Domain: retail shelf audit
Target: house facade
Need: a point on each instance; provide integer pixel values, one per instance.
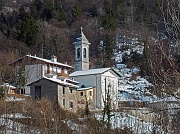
(32, 68)
(56, 90)
(86, 95)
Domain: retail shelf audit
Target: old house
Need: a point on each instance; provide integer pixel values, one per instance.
(30, 68)
(60, 91)
(103, 80)
(47, 79)
(84, 95)
(9, 89)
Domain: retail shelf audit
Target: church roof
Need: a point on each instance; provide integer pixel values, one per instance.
(91, 72)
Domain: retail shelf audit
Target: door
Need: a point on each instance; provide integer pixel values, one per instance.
(37, 92)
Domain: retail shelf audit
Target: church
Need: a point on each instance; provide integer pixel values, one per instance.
(103, 81)
(52, 80)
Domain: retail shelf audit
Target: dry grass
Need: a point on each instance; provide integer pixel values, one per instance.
(43, 117)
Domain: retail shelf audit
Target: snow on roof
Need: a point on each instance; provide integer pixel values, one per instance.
(42, 59)
(86, 88)
(56, 81)
(8, 85)
(89, 72)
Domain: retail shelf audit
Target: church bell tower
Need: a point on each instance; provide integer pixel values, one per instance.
(81, 45)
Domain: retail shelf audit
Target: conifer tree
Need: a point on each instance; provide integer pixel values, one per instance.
(93, 11)
(26, 28)
(120, 11)
(107, 48)
(2, 93)
(108, 20)
(1, 4)
(49, 10)
(76, 10)
(62, 16)
(87, 112)
(38, 4)
(107, 106)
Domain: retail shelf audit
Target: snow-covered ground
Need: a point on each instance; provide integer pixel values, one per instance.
(138, 88)
(9, 126)
(14, 99)
(132, 87)
(122, 120)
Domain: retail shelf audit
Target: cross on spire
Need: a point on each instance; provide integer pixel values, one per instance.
(81, 29)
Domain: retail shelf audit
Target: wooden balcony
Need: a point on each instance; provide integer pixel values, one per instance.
(63, 74)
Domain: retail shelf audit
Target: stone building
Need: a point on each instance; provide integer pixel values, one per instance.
(56, 90)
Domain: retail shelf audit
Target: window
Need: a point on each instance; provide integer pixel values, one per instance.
(70, 104)
(58, 70)
(70, 89)
(63, 90)
(50, 68)
(63, 102)
(65, 71)
(90, 93)
(78, 53)
(84, 53)
(45, 69)
(81, 93)
(54, 68)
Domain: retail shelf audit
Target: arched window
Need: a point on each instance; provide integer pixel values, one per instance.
(84, 52)
(78, 53)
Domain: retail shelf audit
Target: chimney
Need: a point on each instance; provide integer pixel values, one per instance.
(54, 58)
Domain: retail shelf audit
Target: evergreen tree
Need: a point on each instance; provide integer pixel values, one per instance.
(107, 106)
(108, 8)
(38, 4)
(34, 12)
(1, 4)
(120, 11)
(108, 20)
(62, 16)
(141, 14)
(87, 112)
(108, 46)
(2, 93)
(49, 10)
(93, 11)
(76, 10)
(57, 4)
(4, 26)
(26, 28)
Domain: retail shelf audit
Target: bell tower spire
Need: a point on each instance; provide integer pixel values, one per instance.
(81, 45)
